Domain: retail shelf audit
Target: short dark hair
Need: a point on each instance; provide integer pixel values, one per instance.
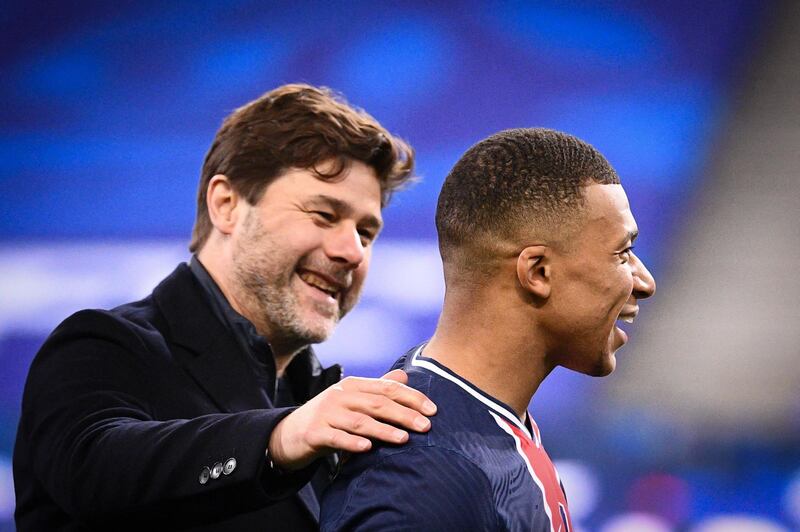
(299, 126)
(514, 183)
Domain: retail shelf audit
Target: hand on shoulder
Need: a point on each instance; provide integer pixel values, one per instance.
(346, 416)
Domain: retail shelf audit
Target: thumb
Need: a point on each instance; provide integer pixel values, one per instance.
(397, 375)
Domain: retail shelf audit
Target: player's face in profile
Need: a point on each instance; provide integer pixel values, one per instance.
(599, 282)
(304, 249)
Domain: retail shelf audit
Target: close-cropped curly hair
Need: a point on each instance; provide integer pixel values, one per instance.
(298, 126)
(514, 185)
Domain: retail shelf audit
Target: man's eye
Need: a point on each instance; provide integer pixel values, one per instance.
(366, 237)
(325, 215)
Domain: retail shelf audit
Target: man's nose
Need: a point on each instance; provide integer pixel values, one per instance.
(644, 285)
(343, 244)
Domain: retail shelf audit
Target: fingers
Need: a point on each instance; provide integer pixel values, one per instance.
(397, 375)
(376, 417)
(392, 389)
(347, 416)
(351, 430)
(363, 425)
(341, 440)
(302, 437)
(384, 409)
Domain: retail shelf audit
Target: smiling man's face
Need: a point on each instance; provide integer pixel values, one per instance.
(597, 282)
(302, 252)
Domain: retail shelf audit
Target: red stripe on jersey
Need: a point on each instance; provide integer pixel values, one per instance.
(544, 472)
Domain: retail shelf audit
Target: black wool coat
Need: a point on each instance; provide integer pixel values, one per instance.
(126, 413)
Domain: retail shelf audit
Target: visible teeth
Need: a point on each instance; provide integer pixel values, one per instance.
(628, 319)
(318, 282)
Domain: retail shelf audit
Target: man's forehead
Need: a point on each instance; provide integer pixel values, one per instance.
(357, 183)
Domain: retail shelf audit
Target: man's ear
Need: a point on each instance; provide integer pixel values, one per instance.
(222, 201)
(533, 270)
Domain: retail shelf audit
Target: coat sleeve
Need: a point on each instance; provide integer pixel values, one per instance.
(419, 489)
(89, 436)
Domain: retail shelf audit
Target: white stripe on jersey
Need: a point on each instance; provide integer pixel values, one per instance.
(415, 361)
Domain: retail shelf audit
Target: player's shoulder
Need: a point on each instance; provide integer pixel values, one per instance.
(413, 487)
(461, 406)
(456, 415)
(463, 429)
(433, 477)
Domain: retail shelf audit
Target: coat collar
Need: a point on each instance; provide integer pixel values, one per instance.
(208, 350)
(204, 346)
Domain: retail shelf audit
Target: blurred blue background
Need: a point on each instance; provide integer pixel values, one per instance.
(108, 109)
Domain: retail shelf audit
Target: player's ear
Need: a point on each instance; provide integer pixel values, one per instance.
(223, 203)
(533, 271)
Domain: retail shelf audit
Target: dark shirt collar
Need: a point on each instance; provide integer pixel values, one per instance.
(242, 328)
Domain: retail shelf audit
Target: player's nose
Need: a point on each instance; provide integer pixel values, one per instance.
(644, 285)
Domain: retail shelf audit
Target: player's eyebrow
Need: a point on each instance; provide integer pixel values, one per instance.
(369, 221)
(630, 236)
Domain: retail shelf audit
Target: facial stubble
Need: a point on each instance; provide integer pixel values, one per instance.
(265, 275)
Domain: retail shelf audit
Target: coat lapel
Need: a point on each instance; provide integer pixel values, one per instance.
(204, 346)
(210, 354)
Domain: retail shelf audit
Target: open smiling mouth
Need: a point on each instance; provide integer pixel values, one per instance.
(319, 283)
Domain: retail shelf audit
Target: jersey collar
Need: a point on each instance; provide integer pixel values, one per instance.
(417, 360)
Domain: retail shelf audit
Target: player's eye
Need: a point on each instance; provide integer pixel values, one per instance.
(625, 254)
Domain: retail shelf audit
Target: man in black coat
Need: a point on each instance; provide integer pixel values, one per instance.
(180, 411)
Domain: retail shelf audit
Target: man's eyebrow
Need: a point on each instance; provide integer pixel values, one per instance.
(345, 208)
(630, 236)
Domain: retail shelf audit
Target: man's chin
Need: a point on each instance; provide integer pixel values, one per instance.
(318, 328)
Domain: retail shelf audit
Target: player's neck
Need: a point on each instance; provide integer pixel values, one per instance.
(486, 349)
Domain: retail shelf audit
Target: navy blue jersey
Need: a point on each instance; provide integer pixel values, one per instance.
(478, 468)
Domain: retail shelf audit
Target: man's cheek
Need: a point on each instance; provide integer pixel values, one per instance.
(360, 273)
